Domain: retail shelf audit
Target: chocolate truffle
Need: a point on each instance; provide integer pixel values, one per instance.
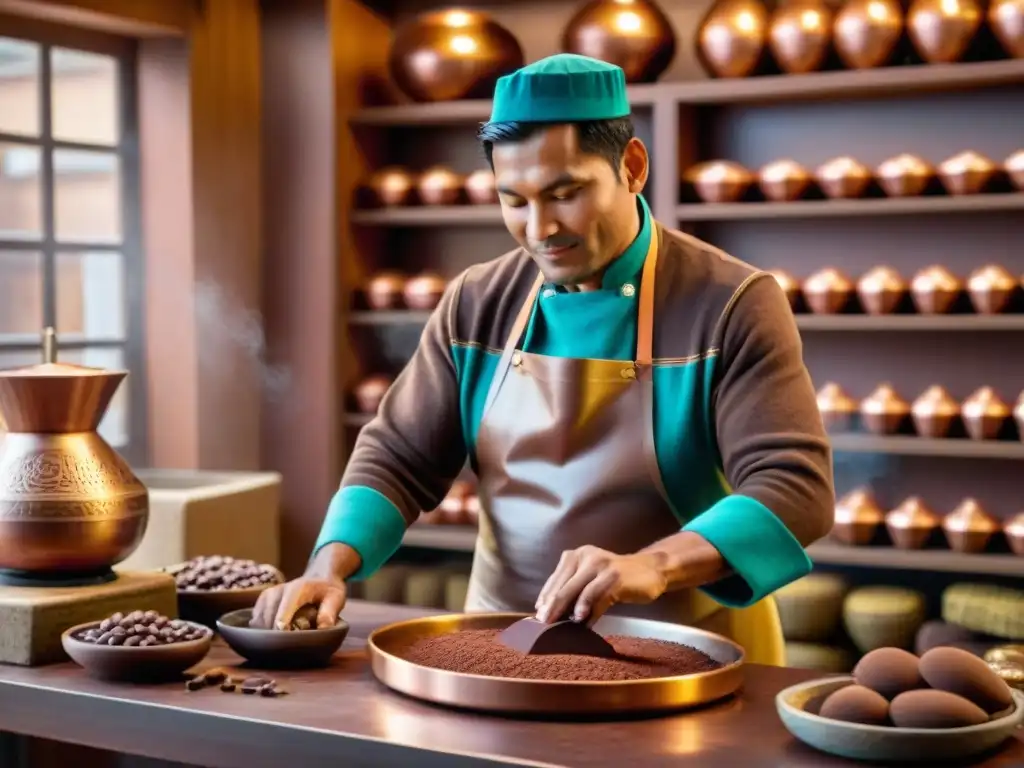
(962, 673)
(856, 704)
(926, 708)
(889, 672)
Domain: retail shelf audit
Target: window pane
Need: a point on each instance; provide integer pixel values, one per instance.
(21, 293)
(114, 427)
(84, 97)
(21, 193)
(87, 196)
(19, 87)
(90, 295)
(17, 360)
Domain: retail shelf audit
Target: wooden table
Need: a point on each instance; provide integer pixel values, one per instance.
(343, 716)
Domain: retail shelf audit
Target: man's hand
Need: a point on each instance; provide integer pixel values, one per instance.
(276, 606)
(588, 581)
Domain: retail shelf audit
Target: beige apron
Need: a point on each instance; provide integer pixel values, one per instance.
(566, 458)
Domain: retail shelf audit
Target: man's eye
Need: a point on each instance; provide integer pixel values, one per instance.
(513, 202)
(565, 194)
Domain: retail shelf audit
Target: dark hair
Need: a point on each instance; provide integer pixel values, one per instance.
(607, 138)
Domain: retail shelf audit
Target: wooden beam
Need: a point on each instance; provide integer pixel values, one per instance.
(132, 18)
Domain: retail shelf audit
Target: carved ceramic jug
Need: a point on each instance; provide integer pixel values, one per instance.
(70, 506)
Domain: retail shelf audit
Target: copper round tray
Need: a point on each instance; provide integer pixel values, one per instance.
(512, 696)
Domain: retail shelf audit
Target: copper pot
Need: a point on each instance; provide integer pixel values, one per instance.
(732, 37)
(943, 30)
(966, 173)
(70, 506)
(881, 290)
(934, 412)
(783, 180)
(384, 291)
(843, 177)
(480, 189)
(935, 290)
(867, 32)
(857, 518)
(904, 175)
(1013, 529)
(911, 524)
(984, 414)
(838, 410)
(719, 181)
(452, 54)
(634, 34)
(884, 412)
(1006, 18)
(969, 528)
(1018, 415)
(391, 186)
(991, 288)
(424, 291)
(439, 186)
(828, 291)
(370, 391)
(799, 35)
(790, 286)
(1013, 166)
(472, 509)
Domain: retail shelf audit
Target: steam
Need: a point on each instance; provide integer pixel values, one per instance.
(870, 470)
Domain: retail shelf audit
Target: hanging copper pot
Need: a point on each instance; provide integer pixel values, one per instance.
(884, 412)
(719, 181)
(439, 186)
(867, 32)
(790, 286)
(984, 414)
(935, 290)
(633, 34)
(1018, 416)
(857, 518)
(384, 291)
(1006, 18)
(905, 175)
(843, 177)
(838, 410)
(943, 30)
(969, 528)
(799, 35)
(881, 290)
(828, 291)
(390, 186)
(1013, 166)
(934, 412)
(1013, 529)
(480, 189)
(783, 180)
(370, 391)
(911, 524)
(966, 173)
(424, 291)
(452, 54)
(991, 289)
(732, 37)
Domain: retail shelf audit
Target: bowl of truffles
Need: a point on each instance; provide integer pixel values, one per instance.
(300, 645)
(946, 704)
(140, 646)
(210, 586)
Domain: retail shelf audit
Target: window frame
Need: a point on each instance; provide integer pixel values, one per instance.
(132, 345)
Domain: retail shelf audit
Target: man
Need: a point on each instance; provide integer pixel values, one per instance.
(633, 400)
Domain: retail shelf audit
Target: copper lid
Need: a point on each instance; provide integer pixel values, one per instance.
(935, 278)
(984, 401)
(970, 517)
(826, 280)
(716, 171)
(783, 170)
(991, 277)
(935, 401)
(842, 168)
(884, 400)
(904, 165)
(439, 178)
(912, 513)
(881, 280)
(967, 162)
(833, 399)
(393, 178)
(426, 282)
(858, 506)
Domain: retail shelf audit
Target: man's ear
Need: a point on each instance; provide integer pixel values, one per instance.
(635, 165)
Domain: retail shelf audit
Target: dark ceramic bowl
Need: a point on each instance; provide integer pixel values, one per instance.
(279, 649)
(133, 664)
(206, 606)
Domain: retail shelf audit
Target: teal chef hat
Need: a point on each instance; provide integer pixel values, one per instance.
(565, 88)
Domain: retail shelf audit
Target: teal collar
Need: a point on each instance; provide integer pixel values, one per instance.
(627, 267)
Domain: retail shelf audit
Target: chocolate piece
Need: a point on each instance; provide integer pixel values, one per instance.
(214, 676)
(856, 704)
(218, 574)
(228, 686)
(889, 672)
(252, 685)
(305, 618)
(927, 708)
(141, 630)
(195, 684)
(560, 637)
(962, 673)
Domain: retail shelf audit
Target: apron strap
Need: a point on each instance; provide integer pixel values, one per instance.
(645, 312)
(513, 341)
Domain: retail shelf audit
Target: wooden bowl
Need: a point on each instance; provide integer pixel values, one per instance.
(134, 664)
(280, 649)
(206, 606)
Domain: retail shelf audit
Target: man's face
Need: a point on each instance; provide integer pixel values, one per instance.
(571, 211)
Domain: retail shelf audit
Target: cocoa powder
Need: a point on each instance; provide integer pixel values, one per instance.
(480, 652)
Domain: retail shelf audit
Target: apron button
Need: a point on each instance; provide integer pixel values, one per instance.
(517, 360)
(628, 290)
(628, 373)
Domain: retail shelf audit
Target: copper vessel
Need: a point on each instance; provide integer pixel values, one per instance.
(1007, 661)
(827, 291)
(732, 37)
(867, 32)
(1013, 166)
(904, 175)
(799, 35)
(70, 506)
(1013, 529)
(384, 291)
(453, 505)
(480, 189)
(984, 414)
(370, 391)
(1006, 19)
(719, 181)
(1018, 415)
(884, 412)
(934, 412)
(838, 410)
(911, 524)
(790, 286)
(969, 528)
(857, 518)
(783, 180)
(391, 186)
(634, 34)
(991, 289)
(439, 186)
(881, 290)
(943, 30)
(452, 54)
(424, 291)
(843, 177)
(935, 290)
(966, 173)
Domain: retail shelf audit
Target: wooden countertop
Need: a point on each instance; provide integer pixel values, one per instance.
(343, 716)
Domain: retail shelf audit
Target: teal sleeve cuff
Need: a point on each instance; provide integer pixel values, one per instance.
(364, 519)
(756, 544)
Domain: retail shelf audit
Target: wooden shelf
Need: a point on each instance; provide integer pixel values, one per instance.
(389, 317)
(430, 216)
(957, 448)
(356, 419)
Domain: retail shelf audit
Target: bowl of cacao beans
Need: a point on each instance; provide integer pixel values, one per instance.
(302, 645)
(139, 646)
(211, 585)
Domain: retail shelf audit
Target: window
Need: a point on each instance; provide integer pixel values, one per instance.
(70, 252)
